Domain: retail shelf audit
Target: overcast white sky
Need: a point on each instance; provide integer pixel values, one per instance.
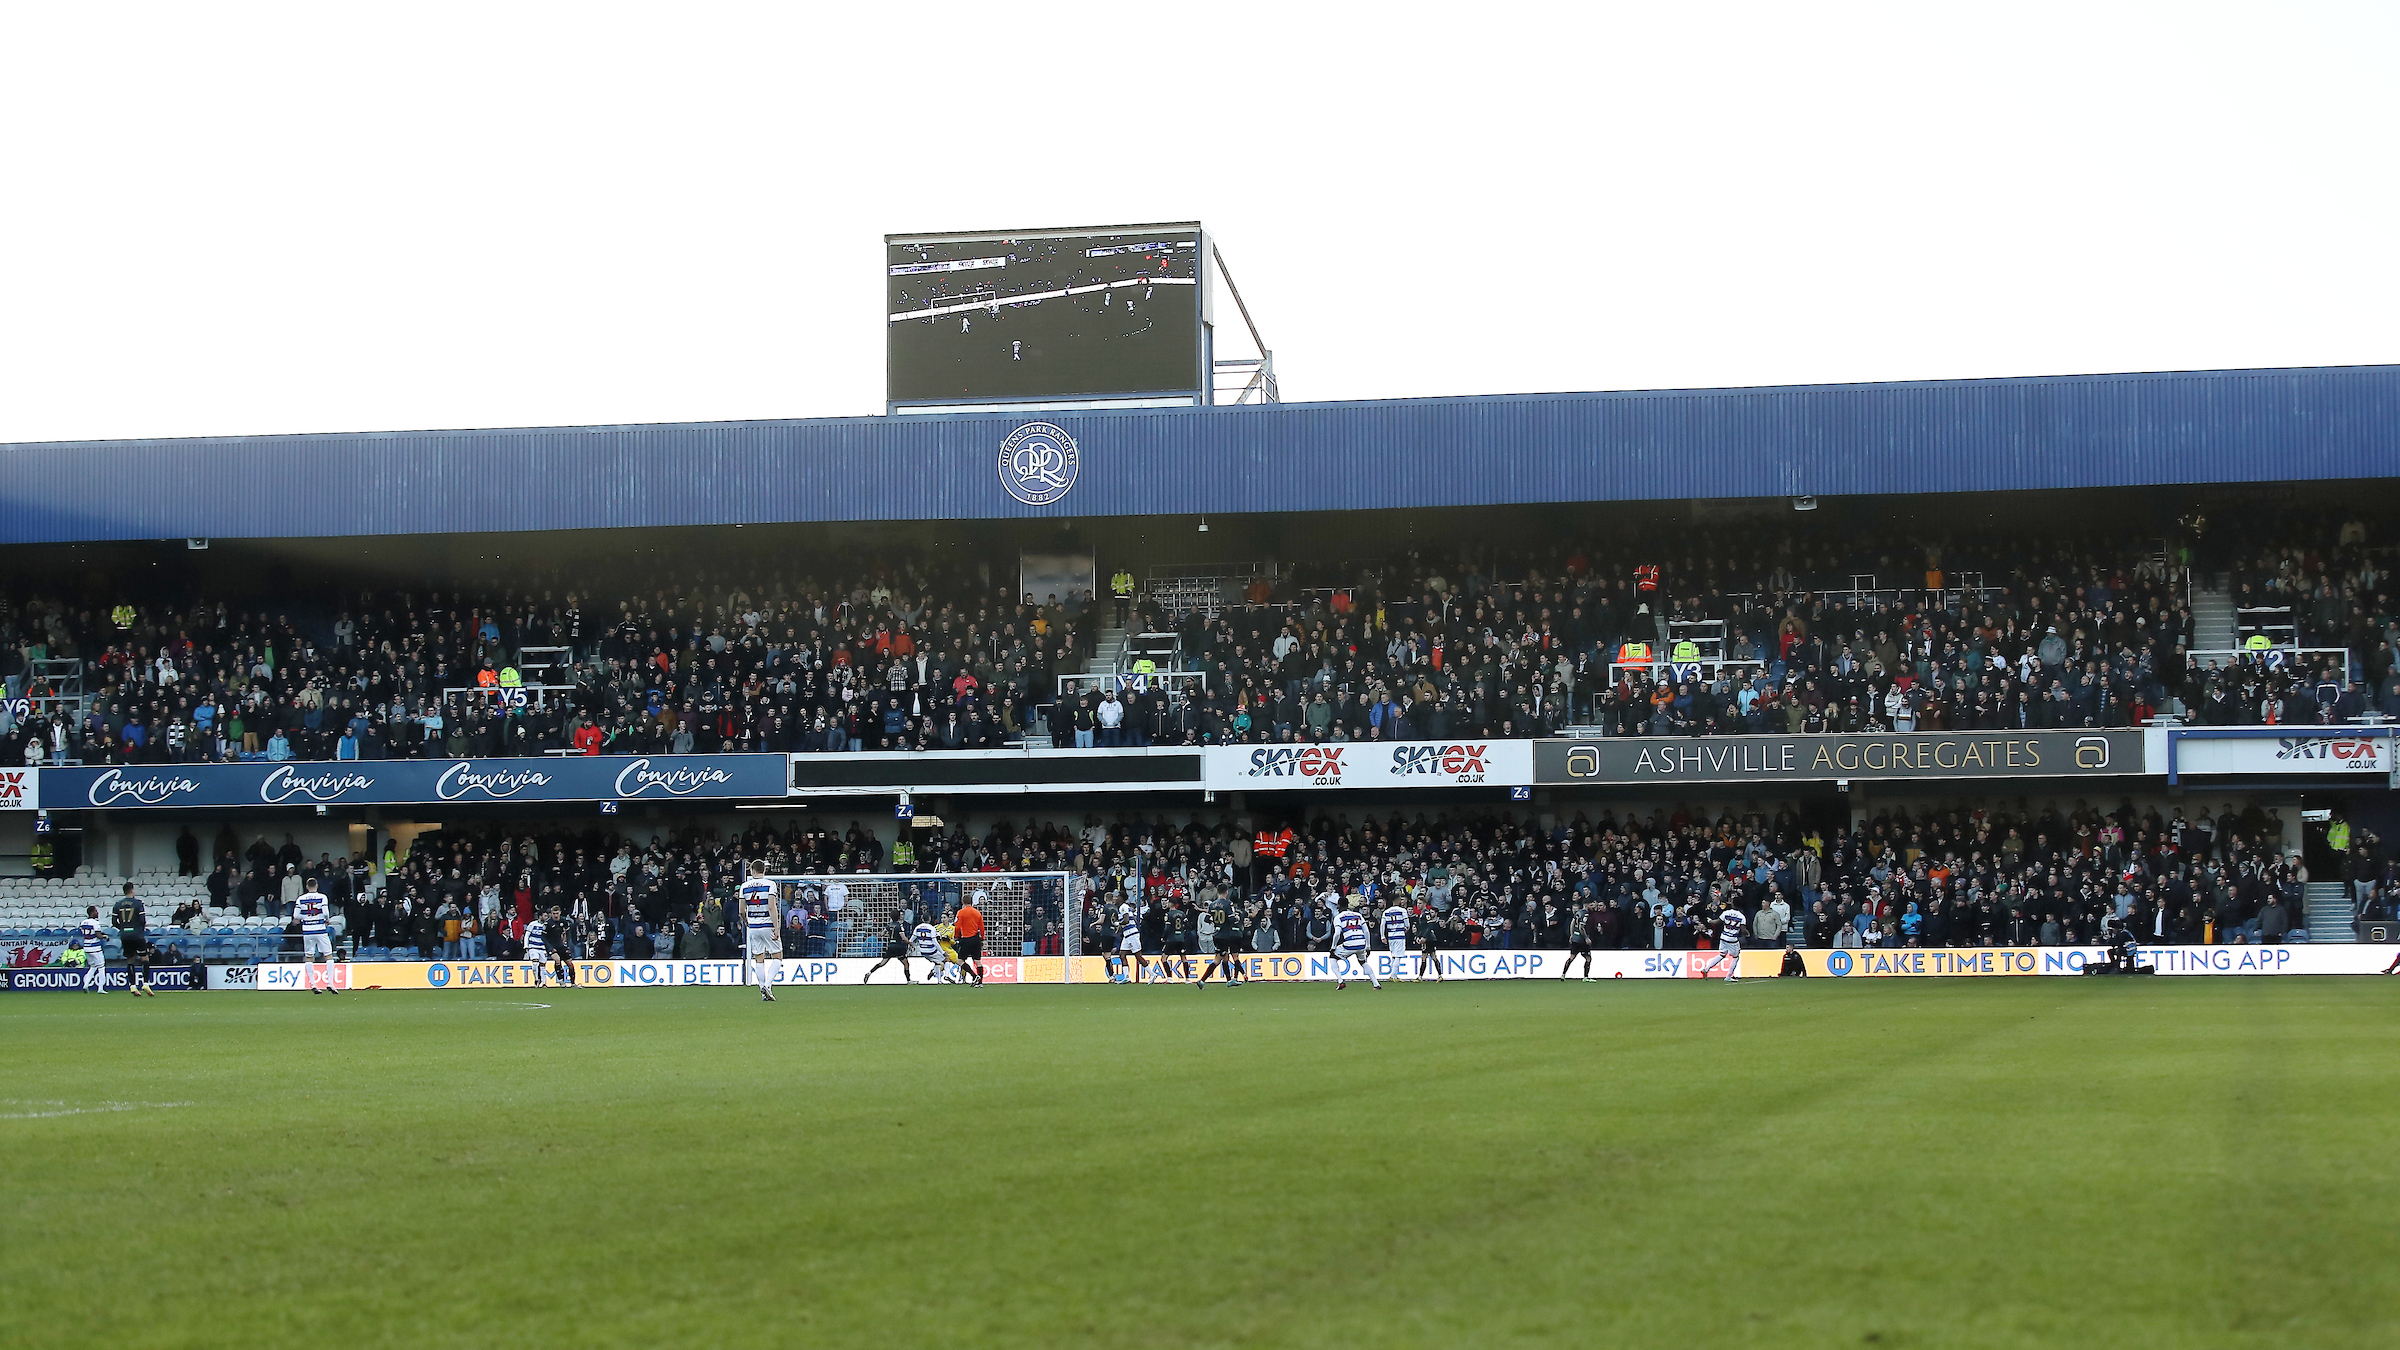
(324, 218)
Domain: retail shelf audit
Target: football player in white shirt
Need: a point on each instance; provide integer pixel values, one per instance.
(1350, 944)
(1729, 941)
(537, 947)
(1395, 935)
(928, 944)
(766, 944)
(313, 911)
(1129, 945)
(92, 937)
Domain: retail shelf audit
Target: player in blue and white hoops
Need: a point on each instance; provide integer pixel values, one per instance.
(1729, 941)
(766, 945)
(1128, 960)
(92, 936)
(537, 946)
(1350, 944)
(313, 910)
(1395, 934)
(928, 944)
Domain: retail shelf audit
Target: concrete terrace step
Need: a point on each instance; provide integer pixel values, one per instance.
(2327, 912)
(1105, 651)
(2212, 614)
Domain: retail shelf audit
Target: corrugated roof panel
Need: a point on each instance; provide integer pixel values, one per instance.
(1951, 436)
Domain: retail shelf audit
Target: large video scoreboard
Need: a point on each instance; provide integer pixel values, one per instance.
(1108, 313)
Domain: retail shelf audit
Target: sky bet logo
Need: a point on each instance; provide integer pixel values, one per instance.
(1320, 764)
(1460, 763)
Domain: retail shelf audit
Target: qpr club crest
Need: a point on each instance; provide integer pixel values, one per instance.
(1038, 462)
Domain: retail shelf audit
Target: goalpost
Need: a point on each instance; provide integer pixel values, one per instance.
(864, 909)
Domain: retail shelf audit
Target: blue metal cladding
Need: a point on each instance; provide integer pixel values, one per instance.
(1832, 440)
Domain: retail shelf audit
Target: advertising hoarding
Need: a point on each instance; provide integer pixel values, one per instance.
(409, 782)
(2277, 752)
(1480, 963)
(1368, 764)
(1928, 754)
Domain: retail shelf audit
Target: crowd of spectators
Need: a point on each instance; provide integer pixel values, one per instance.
(1964, 875)
(1979, 634)
(1982, 633)
(895, 657)
(2325, 598)
(1968, 876)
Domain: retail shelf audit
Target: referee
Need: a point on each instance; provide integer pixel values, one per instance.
(968, 928)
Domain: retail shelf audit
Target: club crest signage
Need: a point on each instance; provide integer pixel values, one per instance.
(1038, 463)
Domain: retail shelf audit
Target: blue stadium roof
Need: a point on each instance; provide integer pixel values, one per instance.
(2082, 431)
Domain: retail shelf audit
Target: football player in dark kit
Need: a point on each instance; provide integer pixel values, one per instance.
(1179, 936)
(1231, 937)
(1583, 933)
(1429, 943)
(132, 923)
(895, 948)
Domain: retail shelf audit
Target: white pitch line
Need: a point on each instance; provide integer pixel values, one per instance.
(102, 1108)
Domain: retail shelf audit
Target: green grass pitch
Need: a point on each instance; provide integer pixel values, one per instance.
(1860, 1163)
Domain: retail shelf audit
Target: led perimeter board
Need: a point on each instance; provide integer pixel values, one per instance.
(1109, 313)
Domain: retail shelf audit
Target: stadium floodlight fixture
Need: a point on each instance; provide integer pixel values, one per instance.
(1804, 503)
(1203, 524)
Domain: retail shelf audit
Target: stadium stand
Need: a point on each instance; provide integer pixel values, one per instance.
(1785, 630)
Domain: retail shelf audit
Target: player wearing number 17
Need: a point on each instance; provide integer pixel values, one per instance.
(766, 944)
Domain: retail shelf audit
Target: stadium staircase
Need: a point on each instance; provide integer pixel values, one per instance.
(2325, 912)
(2212, 622)
(1107, 651)
(2212, 615)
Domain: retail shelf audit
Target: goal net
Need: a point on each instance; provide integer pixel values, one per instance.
(865, 910)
